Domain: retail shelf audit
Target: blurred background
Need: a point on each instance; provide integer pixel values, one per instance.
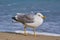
(49, 8)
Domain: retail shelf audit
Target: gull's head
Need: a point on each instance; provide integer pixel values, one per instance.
(40, 15)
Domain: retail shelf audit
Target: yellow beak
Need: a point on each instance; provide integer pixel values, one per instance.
(44, 17)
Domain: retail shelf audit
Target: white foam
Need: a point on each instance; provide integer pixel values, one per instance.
(38, 33)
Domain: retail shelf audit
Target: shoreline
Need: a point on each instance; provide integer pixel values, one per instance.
(19, 36)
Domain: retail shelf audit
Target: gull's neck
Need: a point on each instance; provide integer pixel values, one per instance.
(38, 20)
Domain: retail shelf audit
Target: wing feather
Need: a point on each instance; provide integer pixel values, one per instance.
(25, 18)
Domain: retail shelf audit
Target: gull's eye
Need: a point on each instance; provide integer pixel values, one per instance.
(38, 15)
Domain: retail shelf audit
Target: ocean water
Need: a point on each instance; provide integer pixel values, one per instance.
(49, 8)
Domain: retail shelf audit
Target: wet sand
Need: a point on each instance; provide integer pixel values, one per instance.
(14, 36)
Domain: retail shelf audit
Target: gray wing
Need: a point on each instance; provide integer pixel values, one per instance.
(25, 18)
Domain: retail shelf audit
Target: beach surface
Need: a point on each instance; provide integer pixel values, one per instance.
(16, 36)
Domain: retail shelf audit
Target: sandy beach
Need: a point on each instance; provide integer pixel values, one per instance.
(14, 36)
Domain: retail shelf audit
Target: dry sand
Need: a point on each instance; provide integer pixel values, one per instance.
(14, 36)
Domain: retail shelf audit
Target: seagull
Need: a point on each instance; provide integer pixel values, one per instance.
(29, 20)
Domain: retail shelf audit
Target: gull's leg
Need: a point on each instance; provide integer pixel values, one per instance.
(34, 32)
(25, 30)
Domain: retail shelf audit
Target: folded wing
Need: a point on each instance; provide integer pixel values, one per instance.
(25, 18)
